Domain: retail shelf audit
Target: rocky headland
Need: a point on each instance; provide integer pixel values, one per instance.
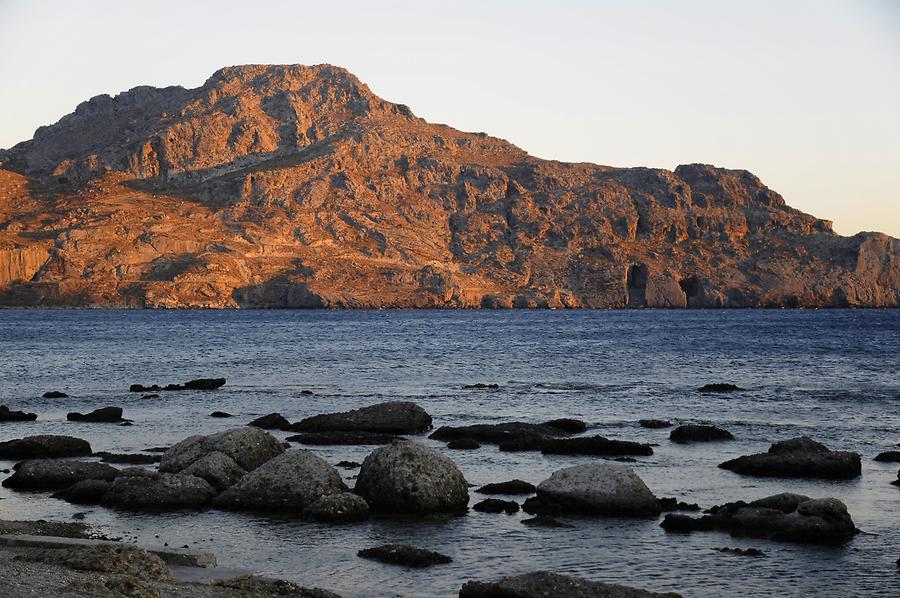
(296, 186)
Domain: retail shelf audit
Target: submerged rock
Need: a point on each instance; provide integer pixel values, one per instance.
(673, 504)
(481, 386)
(408, 477)
(719, 387)
(220, 414)
(273, 421)
(46, 446)
(290, 482)
(463, 444)
(699, 433)
(655, 423)
(782, 517)
(743, 551)
(544, 521)
(594, 445)
(566, 424)
(522, 444)
(51, 474)
(15, 416)
(798, 457)
(543, 584)
(348, 464)
(151, 490)
(495, 505)
(510, 487)
(393, 417)
(102, 415)
(603, 489)
(497, 433)
(198, 384)
(888, 457)
(55, 394)
(402, 554)
(248, 447)
(342, 438)
(897, 481)
(337, 508)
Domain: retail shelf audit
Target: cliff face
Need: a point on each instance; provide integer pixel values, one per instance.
(293, 186)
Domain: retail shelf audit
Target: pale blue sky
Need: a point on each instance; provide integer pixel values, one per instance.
(805, 94)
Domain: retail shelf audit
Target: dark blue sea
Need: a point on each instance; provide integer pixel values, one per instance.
(831, 375)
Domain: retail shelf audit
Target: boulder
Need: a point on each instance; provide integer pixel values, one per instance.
(273, 421)
(348, 464)
(497, 433)
(248, 447)
(719, 387)
(337, 508)
(463, 444)
(220, 414)
(54, 394)
(401, 554)
(543, 584)
(593, 445)
(393, 417)
(408, 477)
(571, 426)
(495, 505)
(604, 489)
(85, 492)
(699, 433)
(150, 490)
(50, 474)
(15, 416)
(655, 423)
(44, 447)
(800, 458)
(888, 457)
(102, 415)
(217, 468)
(510, 487)
(673, 504)
(342, 438)
(783, 517)
(291, 482)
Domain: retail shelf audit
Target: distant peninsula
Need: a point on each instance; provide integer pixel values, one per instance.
(295, 186)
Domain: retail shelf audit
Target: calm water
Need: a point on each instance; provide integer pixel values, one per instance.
(832, 375)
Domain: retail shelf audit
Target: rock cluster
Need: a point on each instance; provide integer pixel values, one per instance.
(798, 458)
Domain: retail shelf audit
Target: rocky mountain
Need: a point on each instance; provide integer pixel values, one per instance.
(295, 186)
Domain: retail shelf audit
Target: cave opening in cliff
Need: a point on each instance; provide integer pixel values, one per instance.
(691, 286)
(636, 283)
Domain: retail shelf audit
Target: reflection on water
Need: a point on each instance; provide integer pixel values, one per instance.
(831, 375)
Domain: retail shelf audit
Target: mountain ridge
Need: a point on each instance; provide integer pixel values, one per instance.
(296, 186)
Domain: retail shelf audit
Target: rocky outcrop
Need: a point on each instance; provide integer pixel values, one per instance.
(603, 489)
(408, 477)
(248, 447)
(402, 554)
(296, 186)
(782, 517)
(544, 583)
(7, 415)
(102, 415)
(699, 433)
(510, 487)
(393, 417)
(798, 458)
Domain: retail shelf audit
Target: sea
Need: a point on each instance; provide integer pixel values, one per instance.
(832, 375)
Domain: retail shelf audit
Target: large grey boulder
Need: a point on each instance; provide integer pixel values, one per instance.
(543, 584)
(150, 490)
(783, 517)
(599, 489)
(217, 468)
(248, 447)
(798, 458)
(52, 474)
(290, 482)
(408, 477)
(393, 417)
(45, 446)
(341, 507)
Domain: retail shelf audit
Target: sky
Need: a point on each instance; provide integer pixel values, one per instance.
(804, 94)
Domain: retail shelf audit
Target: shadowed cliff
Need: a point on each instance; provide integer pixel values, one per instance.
(294, 186)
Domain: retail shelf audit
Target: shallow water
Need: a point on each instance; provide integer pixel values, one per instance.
(832, 375)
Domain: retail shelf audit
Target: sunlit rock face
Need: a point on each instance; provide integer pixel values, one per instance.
(295, 186)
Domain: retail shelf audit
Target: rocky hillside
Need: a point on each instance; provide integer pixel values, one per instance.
(295, 186)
